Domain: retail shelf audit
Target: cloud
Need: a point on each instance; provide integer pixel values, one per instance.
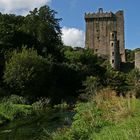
(73, 37)
(20, 6)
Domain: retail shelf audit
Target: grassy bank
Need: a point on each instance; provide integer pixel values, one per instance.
(103, 117)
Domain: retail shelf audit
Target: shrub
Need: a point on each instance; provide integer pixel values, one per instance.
(102, 111)
(114, 107)
(41, 106)
(15, 99)
(92, 85)
(25, 71)
(10, 111)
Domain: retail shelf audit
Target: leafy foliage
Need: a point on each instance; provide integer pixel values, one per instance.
(13, 107)
(130, 55)
(92, 85)
(24, 70)
(132, 81)
(42, 25)
(105, 110)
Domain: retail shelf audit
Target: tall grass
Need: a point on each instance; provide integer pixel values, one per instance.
(13, 107)
(99, 119)
(17, 106)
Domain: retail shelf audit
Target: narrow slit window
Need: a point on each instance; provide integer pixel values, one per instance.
(112, 35)
(112, 60)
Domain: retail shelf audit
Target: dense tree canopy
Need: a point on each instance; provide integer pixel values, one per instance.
(42, 25)
(39, 29)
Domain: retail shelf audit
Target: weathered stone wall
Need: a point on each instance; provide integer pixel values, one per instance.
(120, 33)
(98, 28)
(114, 51)
(137, 59)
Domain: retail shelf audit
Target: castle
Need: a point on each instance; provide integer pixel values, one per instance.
(105, 35)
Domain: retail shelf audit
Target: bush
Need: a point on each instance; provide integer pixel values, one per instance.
(92, 85)
(25, 72)
(10, 111)
(115, 108)
(102, 111)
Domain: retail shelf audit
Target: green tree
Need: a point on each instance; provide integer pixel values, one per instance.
(115, 79)
(25, 71)
(133, 81)
(39, 29)
(92, 85)
(9, 25)
(130, 55)
(44, 26)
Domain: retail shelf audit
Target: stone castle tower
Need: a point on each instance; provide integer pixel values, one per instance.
(137, 58)
(105, 35)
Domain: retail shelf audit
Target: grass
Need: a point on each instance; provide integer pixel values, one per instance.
(8, 112)
(104, 117)
(21, 121)
(11, 109)
(128, 129)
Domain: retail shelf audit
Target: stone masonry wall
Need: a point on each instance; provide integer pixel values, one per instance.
(98, 28)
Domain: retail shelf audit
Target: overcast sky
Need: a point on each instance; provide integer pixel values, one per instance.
(72, 13)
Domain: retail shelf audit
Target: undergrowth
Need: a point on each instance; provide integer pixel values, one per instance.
(104, 116)
(97, 117)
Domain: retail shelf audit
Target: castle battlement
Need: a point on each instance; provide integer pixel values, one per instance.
(98, 15)
(102, 14)
(94, 15)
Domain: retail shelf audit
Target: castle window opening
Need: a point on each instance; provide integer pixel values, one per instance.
(113, 53)
(112, 35)
(112, 61)
(112, 44)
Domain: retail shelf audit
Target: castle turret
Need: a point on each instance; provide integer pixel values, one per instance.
(137, 59)
(114, 51)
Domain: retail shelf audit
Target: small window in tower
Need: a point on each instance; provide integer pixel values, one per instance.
(118, 43)
(113, 53)
(112, 35)
(112, 44)
(97, 30)
(96, 50)
(98, 37)
(112, 60)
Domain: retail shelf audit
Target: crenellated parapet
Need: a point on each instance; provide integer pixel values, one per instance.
(99, 15)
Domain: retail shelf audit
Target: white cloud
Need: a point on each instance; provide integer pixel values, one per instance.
(73, 37)
(20, 6)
